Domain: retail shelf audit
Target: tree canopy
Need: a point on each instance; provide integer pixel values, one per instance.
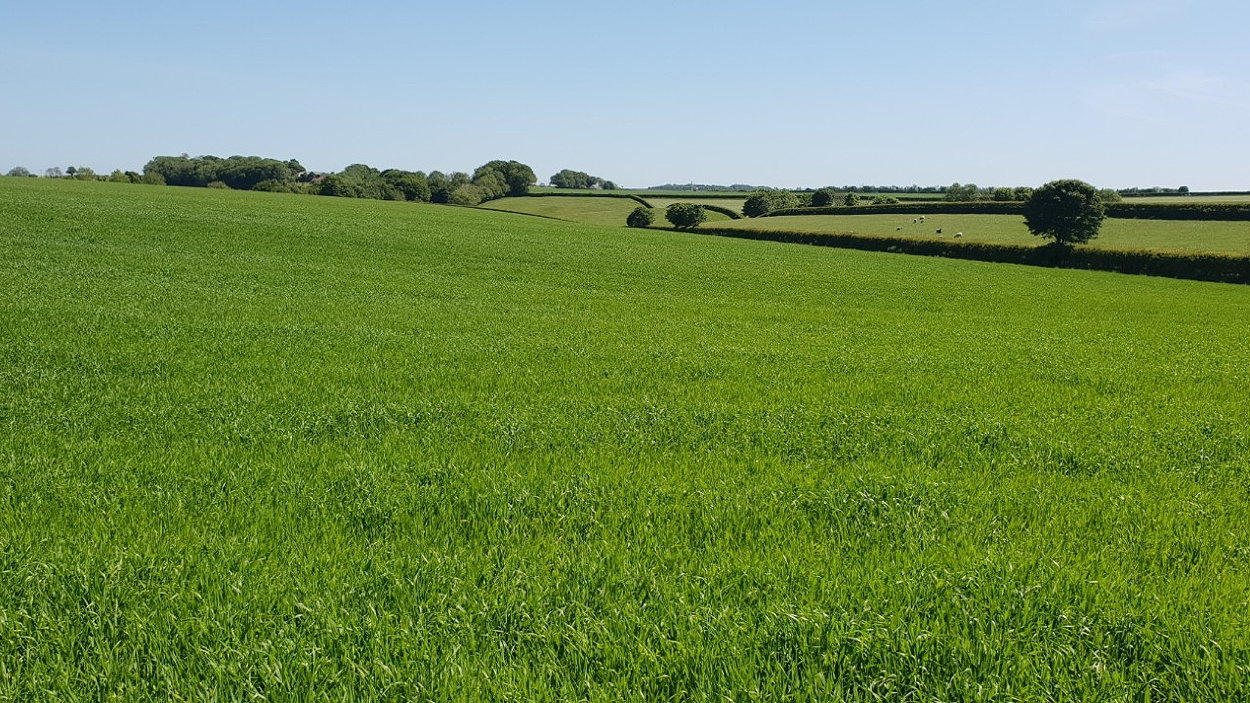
(765, 201)
(1068, 211)
(238, 172)
(568, 178)
(516, 176)
(825, 197)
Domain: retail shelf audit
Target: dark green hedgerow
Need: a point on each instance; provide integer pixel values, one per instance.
(1136, 211)
(1200, 267)
(1179, 211)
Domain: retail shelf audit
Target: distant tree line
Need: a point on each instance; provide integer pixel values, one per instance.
(971, 192)
(494, 179)
(568, 178)
(735, 188)
(933, 190)
(497, 179)
(1155, 190)
(237, 172)
(78, 173)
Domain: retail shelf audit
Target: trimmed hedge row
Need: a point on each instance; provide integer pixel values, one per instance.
(1180, 211)
(1132, 211)
(1199, 267)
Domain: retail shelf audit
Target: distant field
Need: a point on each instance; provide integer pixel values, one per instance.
(689, 195)
(588, 210)
(277, 447)
(731, 203)
(693, 195)
(1161, 235)
(543, 190)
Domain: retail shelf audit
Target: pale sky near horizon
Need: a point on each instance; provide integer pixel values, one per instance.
(793, 93)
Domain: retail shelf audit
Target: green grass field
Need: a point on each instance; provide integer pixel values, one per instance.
(298, 448)
(1160, 235)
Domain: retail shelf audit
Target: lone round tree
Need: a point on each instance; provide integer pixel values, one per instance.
(1068, 211)
(685, 215)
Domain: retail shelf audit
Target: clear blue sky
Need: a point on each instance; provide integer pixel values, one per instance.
(789, 93)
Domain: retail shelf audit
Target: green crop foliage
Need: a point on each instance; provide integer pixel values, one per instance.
(268, 446)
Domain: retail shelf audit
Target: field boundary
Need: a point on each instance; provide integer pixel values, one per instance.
(1220, 268)
(1236, 212)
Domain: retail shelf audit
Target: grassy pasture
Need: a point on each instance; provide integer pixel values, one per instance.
(287, 447)
(680, 195)
(590, 210)
(732, 204)
(1161, 235)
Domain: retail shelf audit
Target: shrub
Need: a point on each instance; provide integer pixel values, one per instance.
(218, 185)
(274, 185)
(412, 184)
(685, 215)
(640, 217)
